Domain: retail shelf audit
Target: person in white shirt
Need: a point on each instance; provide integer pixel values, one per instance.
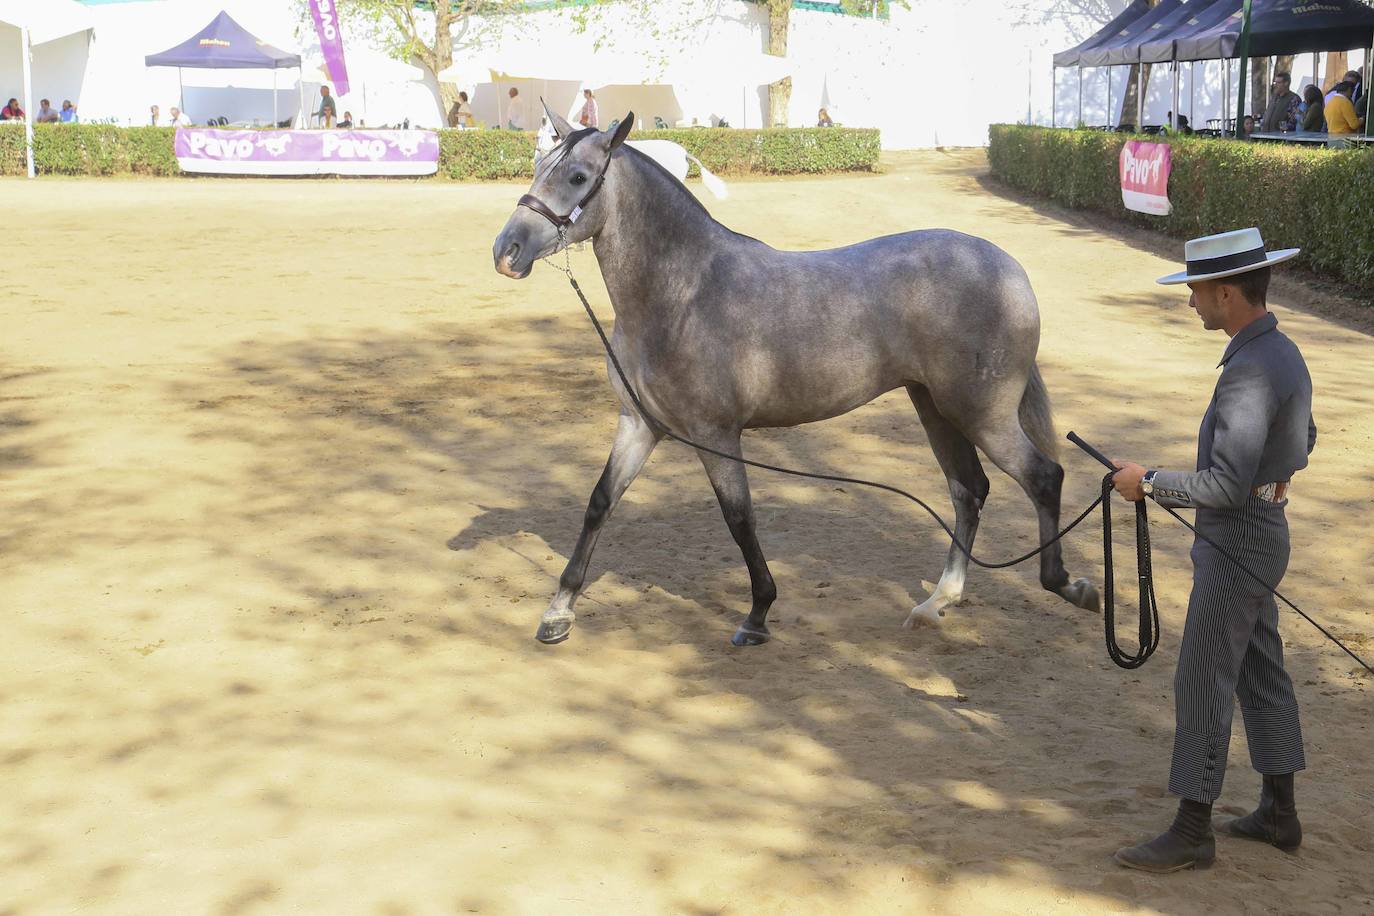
(590, 117)
(515, 113)
(179, 118)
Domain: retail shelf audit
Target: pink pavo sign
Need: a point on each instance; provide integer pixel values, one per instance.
(1145, 177)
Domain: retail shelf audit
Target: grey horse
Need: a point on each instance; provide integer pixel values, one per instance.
(719, 333)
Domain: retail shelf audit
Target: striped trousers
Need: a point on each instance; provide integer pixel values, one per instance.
(1231, 648)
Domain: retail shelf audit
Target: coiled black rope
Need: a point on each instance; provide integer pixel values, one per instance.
(1149, 610)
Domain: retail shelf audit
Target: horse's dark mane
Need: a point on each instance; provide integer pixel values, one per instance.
(682, 190)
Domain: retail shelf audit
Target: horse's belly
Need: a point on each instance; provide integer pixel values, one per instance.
(807, 397)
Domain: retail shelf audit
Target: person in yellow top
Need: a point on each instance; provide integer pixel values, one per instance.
(1340, 111)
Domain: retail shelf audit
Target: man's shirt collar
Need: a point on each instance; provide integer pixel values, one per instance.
(1261, 325)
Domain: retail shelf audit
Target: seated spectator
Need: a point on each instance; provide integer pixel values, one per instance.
(347, 121)
(179, 118)
(1340, 111)
(68, 112)
(46, 113)
(12, 111)
(1183, 126)
(823, 119)
(1314, 116)
(152, 116)
(1247, 127)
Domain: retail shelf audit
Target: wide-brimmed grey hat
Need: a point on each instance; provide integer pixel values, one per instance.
(1215, 256)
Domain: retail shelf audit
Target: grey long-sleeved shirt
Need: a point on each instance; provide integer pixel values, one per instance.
(1258, 428)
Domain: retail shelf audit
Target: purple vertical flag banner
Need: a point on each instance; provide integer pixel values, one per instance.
(331, 42)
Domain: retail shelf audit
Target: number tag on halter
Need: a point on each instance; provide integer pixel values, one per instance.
(576, 212)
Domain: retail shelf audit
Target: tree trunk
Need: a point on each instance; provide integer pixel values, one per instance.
(1258, 98)
(1134, 87)
(1337, 62)
(439, 57)
(779, 93)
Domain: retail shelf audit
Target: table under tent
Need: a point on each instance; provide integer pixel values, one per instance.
(1177, 33)
(226, 45)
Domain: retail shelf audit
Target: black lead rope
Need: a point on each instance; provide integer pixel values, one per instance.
(1148, 630)
(1149, 610)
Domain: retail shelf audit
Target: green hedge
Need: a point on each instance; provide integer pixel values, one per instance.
(90, 149)
(101, 149)
(1319, 200)
(481, 154)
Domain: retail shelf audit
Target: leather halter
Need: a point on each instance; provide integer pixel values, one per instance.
(531, 202)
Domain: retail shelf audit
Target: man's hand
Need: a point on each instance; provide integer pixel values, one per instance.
(1127, 480)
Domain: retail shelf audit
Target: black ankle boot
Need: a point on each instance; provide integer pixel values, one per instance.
(1186, 844)
(1275, 821)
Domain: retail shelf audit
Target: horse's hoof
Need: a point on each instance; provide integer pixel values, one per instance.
(923, 616)
(750, 636)
(1082, 593)
(553, 630)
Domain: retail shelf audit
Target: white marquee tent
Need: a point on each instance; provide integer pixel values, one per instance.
(47, 43)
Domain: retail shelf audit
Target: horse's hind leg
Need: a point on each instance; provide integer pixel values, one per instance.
(731, 484)
(1043, 479)
(968, 488)
(634, 442)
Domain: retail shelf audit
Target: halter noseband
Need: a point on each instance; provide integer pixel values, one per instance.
(531, 202)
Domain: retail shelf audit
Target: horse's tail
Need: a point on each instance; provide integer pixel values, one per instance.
(1037, 418)
(713, 184)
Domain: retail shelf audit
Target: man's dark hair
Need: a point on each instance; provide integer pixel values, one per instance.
(1285, 76)
(1253, 285)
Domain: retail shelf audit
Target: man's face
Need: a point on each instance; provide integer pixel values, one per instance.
(1280, 85)
(175, 111)
(1207, 302)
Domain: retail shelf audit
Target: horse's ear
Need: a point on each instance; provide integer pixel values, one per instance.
(623, 130)
(561, 127)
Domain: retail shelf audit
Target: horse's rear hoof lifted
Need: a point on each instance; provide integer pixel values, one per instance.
(553, 630)
(1082, 593)
(748, 635)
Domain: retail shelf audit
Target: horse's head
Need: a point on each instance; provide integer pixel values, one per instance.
(563, 205)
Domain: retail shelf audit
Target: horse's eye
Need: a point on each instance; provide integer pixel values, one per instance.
(579, 178)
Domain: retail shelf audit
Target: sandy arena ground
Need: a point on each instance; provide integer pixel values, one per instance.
(287, 474)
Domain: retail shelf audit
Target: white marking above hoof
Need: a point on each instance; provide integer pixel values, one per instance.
(924, 615)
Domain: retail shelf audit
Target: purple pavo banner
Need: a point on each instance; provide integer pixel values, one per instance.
(331, 42)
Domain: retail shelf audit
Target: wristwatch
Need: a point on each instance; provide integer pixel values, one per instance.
(1147, 483)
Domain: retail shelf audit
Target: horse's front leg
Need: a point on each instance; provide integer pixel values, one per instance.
(731, 484)
(634, 443)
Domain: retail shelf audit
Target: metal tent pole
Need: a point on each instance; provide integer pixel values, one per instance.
(181, 92)
(1109, 97)
(275, 120)
(1192, 93)
(1368, 76)
(1080, 97)
(25, 49)
(1243, 52)
(1139, 98)
(1226, 94)
(1174, 126)
(1054, 97)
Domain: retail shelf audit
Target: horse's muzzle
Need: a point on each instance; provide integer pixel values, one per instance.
(512, 253)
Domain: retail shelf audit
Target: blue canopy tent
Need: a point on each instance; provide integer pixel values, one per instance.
(1286, 27)
(1072, 57)
(225, 45)
(1119, 48)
